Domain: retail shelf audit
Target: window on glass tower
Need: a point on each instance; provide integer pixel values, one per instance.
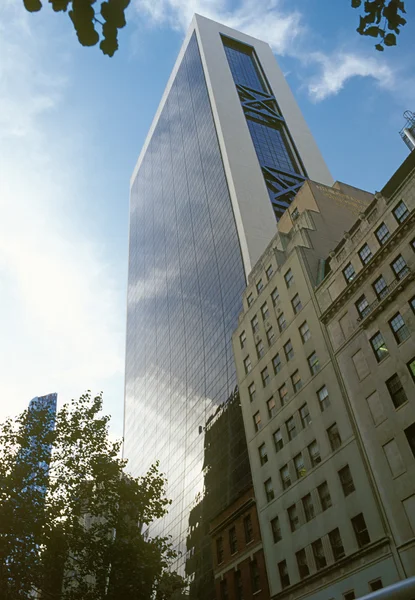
(378, 346)
(296, 381)
(365, 254)
(291, 428)
(283, 393)
(284, 576)
(269, 490)
(336, 544)
(401, 212)
(293, 517)
(270, 336)
(324, 495)
(382, 233)
(257, 421)
(272, 409)
(255, 324)
(285, 477)
(334, 437)
(269, 272)
(255, 580)
(399, 328)
(313, 363)
(265, 377)
(219, 550)
(242, 339)
(305, 416)
(399, 267)
(360, 530)
(276, 530)
(314, 453)
(308, 507)
(275, 296)
(305, 332)
(276, 363)
(396, 391)
(318, 552)
(302, 564)
(263, 456)
(289, 350)
(233, 542)
(282, 323)
(349, 273)
(380, 287)
(362, 306)
(299, 466)
(278, 441)
(265, 311)
(289, 278)
(247, 364)
(296, 304)
(260, 350)
(323, 398)
(346, 480)
(252, 392)
(248, 529)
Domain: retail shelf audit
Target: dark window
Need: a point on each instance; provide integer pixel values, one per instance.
(323, 398)
(401, 212)
(399, 328)
(269, 490)
(239, 588)
(318, 553)
(308, 507)
(412, 304)
(275, 296)
(289, 350)
(263, 456)
(285, 477)
(305, 416)
(283, 571)
(259, 286)
(360, 530)
(272, 409)
(350, 595)
(296, 304)
(305, 332)
(378, 346)
(252, 392)
(270, 336)
(295, 214)
(276, 363)
(224, 589)
(283, 393)
(365, 254)
(362, 306)
(324, 495)
(336, 544)
(293, 517)
(399, 267)
(265, 311)
(314, 453)
(255, 324)
(269, 272)
(233, 543)
(289, 278)
(219, 550)
(346, 480)
(278, 440)
(313, 363)
(299, 466)
(250, 299)
(249, 536)
(375, 585)
(380, 287)
(303, 569)
(276, 530)
(242, 339)
(410, 436)
(296, 381)
(396, 391)
(247, 364)
(260, 350)
(382, 234)
(255, 580)
(334, 437)
(282, 323)
(257, 421)
(349, 272)
(411, 367)
(265, 377)
(291, 428)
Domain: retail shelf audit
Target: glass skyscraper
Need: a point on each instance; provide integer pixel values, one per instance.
(226, 151)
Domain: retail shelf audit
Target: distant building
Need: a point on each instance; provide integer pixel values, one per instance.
(407, 132)
(324, 524)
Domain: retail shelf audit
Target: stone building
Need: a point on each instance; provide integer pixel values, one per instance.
(323, 524)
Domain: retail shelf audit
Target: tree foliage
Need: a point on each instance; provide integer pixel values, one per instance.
(89, 16)
(71, 520)
(381, 19)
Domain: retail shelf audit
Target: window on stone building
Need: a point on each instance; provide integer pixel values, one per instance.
(233, 542)
(399, 328)
(269, 272)
(283, 393)
(299, 466)
(269, 490)
(382, 233)
(399, 267)
(239, 588)
(291, 428)
(255, 324)
(313, 363)
(272, 409)
(257, 421)
(380, 287)
(323, 398)
(260, 350)
(276, 530)
(378, 346)
(255, 579)
(346, 480)
(349, 272)
(282, 323)
(324, 495)
(305, 332)
(296, 381)
(293, 517)
(411, 367)
(334, 437)
(296, 304)
(314, 453)
(401, 212)
(412, 304)
(360, 530)
(396, 391)
(275, 296)
(303, 569)
(250, 299)
(319, 556)
(410, 436)
(362, 306)
(270, 336)
(365, 254)
(278, 441)
(285, 477)
(350, 595)
(336, 544)
(289, 278)
(249, 534)
(308, 507)
(305, 416)
(265, 311)
(252, 392)
(375, 585)
(259, 286)
(219, 550)
(289, 350)
(224, 589)
(265, 377)
(276, 363)
(247, 364)
(263, 456)
(284, 576)
(242, 339)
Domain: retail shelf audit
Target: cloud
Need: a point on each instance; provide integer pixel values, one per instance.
(61, 317)
(337, 69)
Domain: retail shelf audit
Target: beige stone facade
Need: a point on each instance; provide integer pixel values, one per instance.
(325, 528)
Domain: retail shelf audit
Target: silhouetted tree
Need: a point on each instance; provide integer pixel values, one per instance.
(381, 19)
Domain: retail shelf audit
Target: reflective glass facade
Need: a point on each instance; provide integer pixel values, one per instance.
(185, 284)
(279, 160)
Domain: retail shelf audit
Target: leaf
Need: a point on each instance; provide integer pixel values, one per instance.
(32, 5)
(379, 47)
(356, 3)
(372, 31)
(390, 39)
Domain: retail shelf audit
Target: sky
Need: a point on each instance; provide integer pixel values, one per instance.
(72, 123)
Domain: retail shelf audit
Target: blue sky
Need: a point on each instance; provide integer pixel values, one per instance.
(72, 123)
